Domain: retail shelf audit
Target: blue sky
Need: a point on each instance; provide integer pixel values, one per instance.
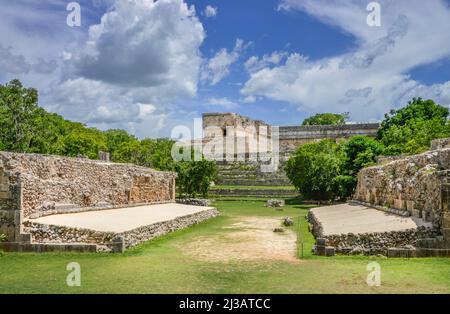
(149, 66)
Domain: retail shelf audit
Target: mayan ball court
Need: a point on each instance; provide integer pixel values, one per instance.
(51, 203)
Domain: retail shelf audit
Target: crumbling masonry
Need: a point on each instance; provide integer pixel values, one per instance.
(416, 186)
(33, 186)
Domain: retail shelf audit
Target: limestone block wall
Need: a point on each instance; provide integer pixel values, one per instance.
(36, 185)
(413, 184)
(440, 143)
(10, 204)
(244, 135)
(290, 137)
(293, 136)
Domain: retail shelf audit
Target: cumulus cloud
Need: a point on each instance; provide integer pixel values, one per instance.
(210, 11)
(222, 102)
(45, 66)
(142, 57)
(144, 43)
(13, 63)
(249, 99)
(254, 63)
(101, 105)
(218, 67)
(371, 79)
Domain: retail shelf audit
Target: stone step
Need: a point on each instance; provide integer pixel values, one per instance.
(261, 175)
(47, 247)
(431, 243)
(253, 192)
(256, 182)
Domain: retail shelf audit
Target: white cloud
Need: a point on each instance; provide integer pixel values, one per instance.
(145, 110)
(102, 105)
(370, 80)
(142, 57)
(13, 63)
(222, 102)
(210, 11)
(218, 67)
(144, 43)
(254, 64)
(249, 99)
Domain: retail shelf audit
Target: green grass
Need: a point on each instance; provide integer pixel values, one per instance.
(251, 187)
(160, 266)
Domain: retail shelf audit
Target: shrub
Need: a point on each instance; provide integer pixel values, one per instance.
(344, 185)
(195, 177)
(313, 168)
(359, 152)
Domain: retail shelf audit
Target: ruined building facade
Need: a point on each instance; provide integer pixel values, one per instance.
(242, 145)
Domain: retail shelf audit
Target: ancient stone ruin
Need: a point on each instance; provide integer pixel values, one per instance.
(413, 187)
(250, 144)
(33, 187)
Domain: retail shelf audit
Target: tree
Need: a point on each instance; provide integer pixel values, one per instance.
(326, 119)
(116, 138)
(18, 112)
(411, 128)
(313, 168)
(327, 171)
(195, 177)
(359, 152)
(82, 141)
(162, 156)
(50, 129)
(129, 152)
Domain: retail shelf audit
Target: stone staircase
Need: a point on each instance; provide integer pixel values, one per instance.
(250, 174)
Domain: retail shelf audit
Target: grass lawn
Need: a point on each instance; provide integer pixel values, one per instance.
(166, 265)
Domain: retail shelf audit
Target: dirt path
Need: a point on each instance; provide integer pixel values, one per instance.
(250, 239)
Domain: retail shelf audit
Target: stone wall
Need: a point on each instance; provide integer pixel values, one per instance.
(440, 143)
(290, 137)
(110, 241)
(229, 138)
(376, 243)
(412, 184)
(235, 135)
(293, 136)
(34, 185)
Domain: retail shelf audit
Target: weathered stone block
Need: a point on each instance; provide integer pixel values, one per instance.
(401, 252)
(330, 251)
(320, 250)
(275, 203)
(410, 206)
(412, 184)
(321, 241)
(416, 213)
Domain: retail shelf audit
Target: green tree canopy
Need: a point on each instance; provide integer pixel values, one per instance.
(83, 141)
(411, 128)
(313, 167)
(18, 113)
(359, 152)
(326, 119)
(195, 177)
(115, 138)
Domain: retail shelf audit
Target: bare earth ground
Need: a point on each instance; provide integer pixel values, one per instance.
(247, 239)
